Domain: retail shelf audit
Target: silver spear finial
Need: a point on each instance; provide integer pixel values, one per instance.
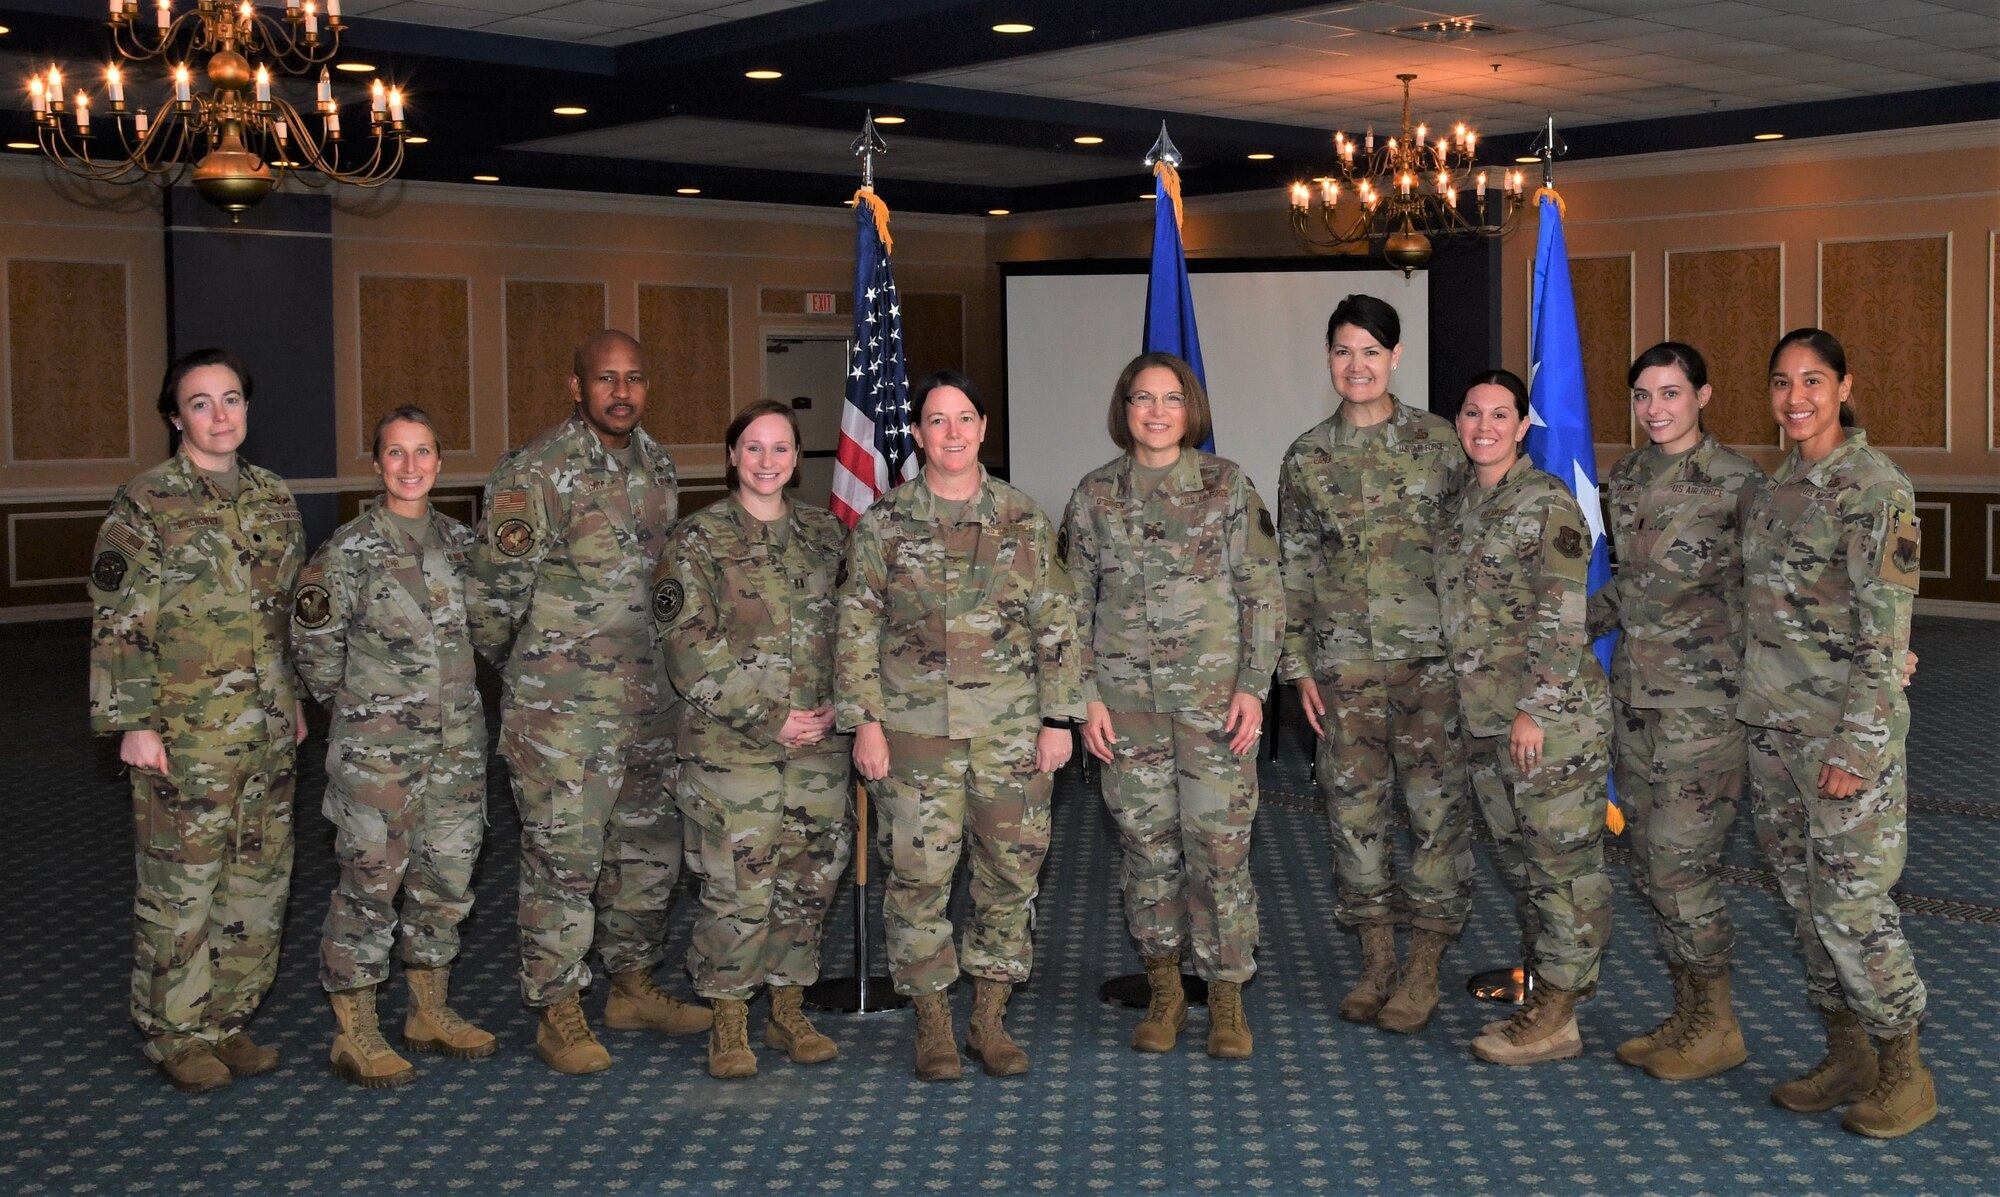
(865, 147)
(1164, 150)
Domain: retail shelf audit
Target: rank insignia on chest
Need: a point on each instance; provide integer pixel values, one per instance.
(668, 600)
(514, 538)
(108, 572)
(312, 606)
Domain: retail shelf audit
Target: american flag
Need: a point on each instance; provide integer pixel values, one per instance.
(877, 444)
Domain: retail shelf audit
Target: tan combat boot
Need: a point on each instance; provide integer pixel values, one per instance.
(788, 1030)
(1167, 1010)
(1638, 1049)
(1544, 1028)
(431, 1025)
(1904, 1095)
(1228, 1031)
(1848, 1071)
(190, 1064)
(564, 1042)
(360, 1054)
(937, 1055)
(244, 1056)
(1710, 1041)
(1378, 974)
(729, 1054)
(986, 1038)
(637, 1004)
(1409, 1009)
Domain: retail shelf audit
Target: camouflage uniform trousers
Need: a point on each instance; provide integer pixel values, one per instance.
(1837, 861)
(1185, 804)
(1390, 721)
(1548, 840)
(937, 791)
(768, 842)
(600, 850)
(425, 849)
(1680, 777)
(214, 855)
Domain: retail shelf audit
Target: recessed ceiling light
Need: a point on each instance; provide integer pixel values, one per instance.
(1260, 157)
(1527, 158)
(486, 178)
(1090, 139)
(1152, 195)
(999, 212)
(889, 120)
(687, 191)
(359, 68)
(569, 110)
(1768, 137)
(763, 74)
(22, 145)
(419, 140)
(1013, 27)
(4, 29)
(287, 163)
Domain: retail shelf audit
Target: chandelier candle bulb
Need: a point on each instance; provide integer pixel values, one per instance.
(396, 106)
(263, 85)
(37, 98)
(114, 85)
(333, 125)
(1329, 192)
(139, 124)
(1368, 145)
(312, 21)
(279, 129)
(166, 15)
(82, 112)
(1300, 196)
(378, 100)
(333, 11)
(325, 92)
(181, 92)
(291, 8)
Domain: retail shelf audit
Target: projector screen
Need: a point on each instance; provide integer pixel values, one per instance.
(1263, 342)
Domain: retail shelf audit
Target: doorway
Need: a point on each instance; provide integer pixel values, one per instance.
(809, 371)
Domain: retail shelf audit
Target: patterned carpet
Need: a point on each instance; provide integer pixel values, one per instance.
(1323, 1107)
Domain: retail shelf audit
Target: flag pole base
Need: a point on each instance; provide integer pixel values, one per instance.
(1510, 985)
(854, 995)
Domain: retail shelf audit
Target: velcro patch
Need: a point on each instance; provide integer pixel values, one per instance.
(514, 538)
(669, 600)
(312, 606)
(1565, 550)
(1062, 545)
(509, 502)
(840, 577)
(314, 571)
(108, 572)
(1899, 564)
(121, 537)
(1264, 522)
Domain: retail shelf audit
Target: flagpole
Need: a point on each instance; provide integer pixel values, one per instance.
(864, 992)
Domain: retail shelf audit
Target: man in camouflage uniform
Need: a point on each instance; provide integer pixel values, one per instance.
(1676, 525)
(746, 612)
(1359, 497)
(380, 637)
(191, 580)
(562, 573)
(1831, 561)
(1512, 564)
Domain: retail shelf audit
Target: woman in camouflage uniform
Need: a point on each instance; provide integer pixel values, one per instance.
(957, 677)
(1512, 560)
(1179, 610)
(380, 637)
(745, 606)
(192, 573)
(1674, 511)
(1830, 558)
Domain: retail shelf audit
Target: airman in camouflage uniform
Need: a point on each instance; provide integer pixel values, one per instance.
(562, 573)
(380, 637)
(192, 580)
(746, 613)
(1512, 562)
(1831, 559)
(1676, 527)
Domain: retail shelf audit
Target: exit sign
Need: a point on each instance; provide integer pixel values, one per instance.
(819, 303)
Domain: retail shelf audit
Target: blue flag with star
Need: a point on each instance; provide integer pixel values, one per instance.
(1559, 437)
(1170, 326)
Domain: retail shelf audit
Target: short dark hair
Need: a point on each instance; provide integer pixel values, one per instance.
(1198, 420)
(408, 412)
(1670, 353)
(748, 416)
(579, 363)
(187, 363)
(921, 392)
(1499, 378)
(1369, 314)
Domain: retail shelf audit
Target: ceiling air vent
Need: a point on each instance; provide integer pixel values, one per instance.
(1445, 29)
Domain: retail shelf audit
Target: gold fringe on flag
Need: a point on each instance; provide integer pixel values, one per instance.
(881, 213)
(1561, 209)
(1171, 180)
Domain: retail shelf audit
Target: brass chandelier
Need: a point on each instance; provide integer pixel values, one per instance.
(239, 136)
(1410, 195)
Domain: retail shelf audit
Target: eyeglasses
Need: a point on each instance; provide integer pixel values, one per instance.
(1172, 400)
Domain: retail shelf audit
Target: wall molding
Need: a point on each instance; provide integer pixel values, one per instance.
(1958, 609)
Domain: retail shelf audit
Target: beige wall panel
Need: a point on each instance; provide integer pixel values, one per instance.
(1886, 301)
(1727, 304)
(545, 322)
(68, 361)
(686, 334)
(416, 347)
(1603, 291)
(933, 333)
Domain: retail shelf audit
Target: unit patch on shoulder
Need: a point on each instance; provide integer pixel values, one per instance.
(1901, 550)
(1062, 545)
(1569, 541)
(108, 572)
(1565, 552)
(312, 606)
(514, 538)
(1264, 521)
(669, 600)
(840, 576)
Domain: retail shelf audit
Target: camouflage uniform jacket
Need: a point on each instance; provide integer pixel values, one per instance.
(747, 629)
(1357, 512)
(563, 571)
(381, 641)
(955, 630)
(1676, 523)
(192, 590)
(1179, 604)
(1512, 563)
(1830, 556)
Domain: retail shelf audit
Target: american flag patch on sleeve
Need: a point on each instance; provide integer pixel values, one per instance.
(123, 538)
(509, 502)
